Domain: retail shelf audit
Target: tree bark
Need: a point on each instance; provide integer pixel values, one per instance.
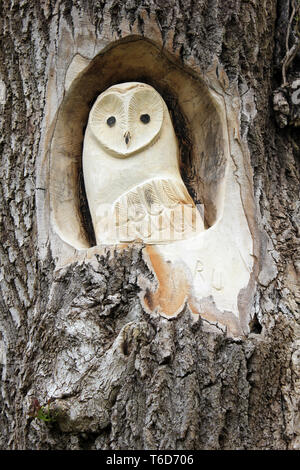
(79, 333)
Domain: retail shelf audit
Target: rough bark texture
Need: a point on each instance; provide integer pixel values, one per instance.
(123, 379)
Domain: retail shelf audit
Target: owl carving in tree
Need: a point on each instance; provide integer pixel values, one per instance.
(131, 170)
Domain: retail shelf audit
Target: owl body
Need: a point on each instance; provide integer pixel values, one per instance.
(131, 169)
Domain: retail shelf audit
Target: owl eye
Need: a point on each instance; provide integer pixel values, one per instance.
(145, 118)
(111, 121)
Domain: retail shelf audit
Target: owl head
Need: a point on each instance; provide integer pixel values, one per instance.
(127, 118)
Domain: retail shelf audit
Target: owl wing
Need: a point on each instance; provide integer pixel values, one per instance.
(158, 211)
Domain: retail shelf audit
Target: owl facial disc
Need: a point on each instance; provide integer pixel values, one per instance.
(125, 121)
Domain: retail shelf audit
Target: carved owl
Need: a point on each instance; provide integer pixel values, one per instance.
(131, 170)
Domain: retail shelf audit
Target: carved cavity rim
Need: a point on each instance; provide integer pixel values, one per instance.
(191, 104)
(214, 165)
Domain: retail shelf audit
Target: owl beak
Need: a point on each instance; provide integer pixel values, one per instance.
(127, 137)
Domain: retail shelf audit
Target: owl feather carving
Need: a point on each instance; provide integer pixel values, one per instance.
(131, 170)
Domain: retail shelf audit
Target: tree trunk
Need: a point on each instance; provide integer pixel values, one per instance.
(76, 327)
